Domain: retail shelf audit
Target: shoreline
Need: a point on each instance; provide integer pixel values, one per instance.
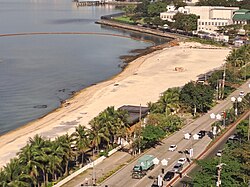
(87, 103)
(126, 60)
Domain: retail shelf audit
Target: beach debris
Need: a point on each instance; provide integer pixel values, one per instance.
(179, 69)
(66, 104)
(116, 84)
(40, 106)
(72, 92)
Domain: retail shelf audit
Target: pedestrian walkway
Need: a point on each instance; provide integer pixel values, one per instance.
(109, 164)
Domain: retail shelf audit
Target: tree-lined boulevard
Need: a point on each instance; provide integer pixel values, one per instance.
(123, 176)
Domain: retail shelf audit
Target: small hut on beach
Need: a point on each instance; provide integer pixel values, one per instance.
(135, 112)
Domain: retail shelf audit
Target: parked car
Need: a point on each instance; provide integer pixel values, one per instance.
(201, 134)
(233, 137)
(172, 147)
(182, 161)
(177, 167)
(219, 153)
(168, 176)
(155, 183)
(242, 93)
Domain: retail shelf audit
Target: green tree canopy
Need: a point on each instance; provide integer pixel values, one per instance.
(244, 4)
(155, 8)
(186, 22)
(151, 135)
(197, 96)
(142, 8)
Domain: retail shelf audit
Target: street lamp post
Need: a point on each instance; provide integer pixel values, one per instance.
(219, 166)
(236, 101)
(139, 151)
(217, 117)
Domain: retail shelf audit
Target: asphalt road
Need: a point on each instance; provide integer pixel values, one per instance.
(123, 178)
(212, 153)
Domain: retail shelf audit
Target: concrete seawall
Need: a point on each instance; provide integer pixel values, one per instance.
(140, 29)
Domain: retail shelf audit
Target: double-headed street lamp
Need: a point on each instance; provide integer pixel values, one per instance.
(219, 117)
(236, 101)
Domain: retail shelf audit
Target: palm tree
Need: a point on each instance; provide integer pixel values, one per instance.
(13, 175)
(82, 141)
(40, 146)
(170, 100)
(3, 178)
(107, 119)
(28, 158)
(55, 155)
(96, 134)
(66, 144)
(122, 124)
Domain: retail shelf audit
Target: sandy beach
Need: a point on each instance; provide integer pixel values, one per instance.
(142, 81)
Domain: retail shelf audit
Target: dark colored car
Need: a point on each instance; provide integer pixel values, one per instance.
(155, 183)
(168, 176)
(177, 167)
(201, 134)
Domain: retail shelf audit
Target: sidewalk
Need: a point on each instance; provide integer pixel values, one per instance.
(101, 169)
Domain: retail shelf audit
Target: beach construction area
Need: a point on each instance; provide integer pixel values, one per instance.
(142, 81)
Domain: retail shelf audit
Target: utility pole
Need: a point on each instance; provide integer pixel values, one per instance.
(248, 132)
(219, 89)
(93, 171)
(223, 82)
(139, 151)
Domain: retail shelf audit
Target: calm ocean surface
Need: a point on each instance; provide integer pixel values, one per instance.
(41, 70)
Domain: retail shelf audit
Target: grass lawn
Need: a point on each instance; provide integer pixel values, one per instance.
(124, 19)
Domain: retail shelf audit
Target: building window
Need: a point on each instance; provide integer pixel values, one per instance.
(215, 23)
(202, 23)
(212, 23)
(209, 23)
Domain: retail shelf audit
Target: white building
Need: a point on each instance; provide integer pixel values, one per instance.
(214, 17)
(211, 17)
(169, 14)
(191, 1)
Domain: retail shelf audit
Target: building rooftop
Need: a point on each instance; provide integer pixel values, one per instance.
(241, 17)
(134, 112)
(242, 10)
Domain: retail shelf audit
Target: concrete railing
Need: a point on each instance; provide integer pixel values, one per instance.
(90, 165)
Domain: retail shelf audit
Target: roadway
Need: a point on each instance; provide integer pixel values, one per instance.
(210, 154)
(123, 177)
